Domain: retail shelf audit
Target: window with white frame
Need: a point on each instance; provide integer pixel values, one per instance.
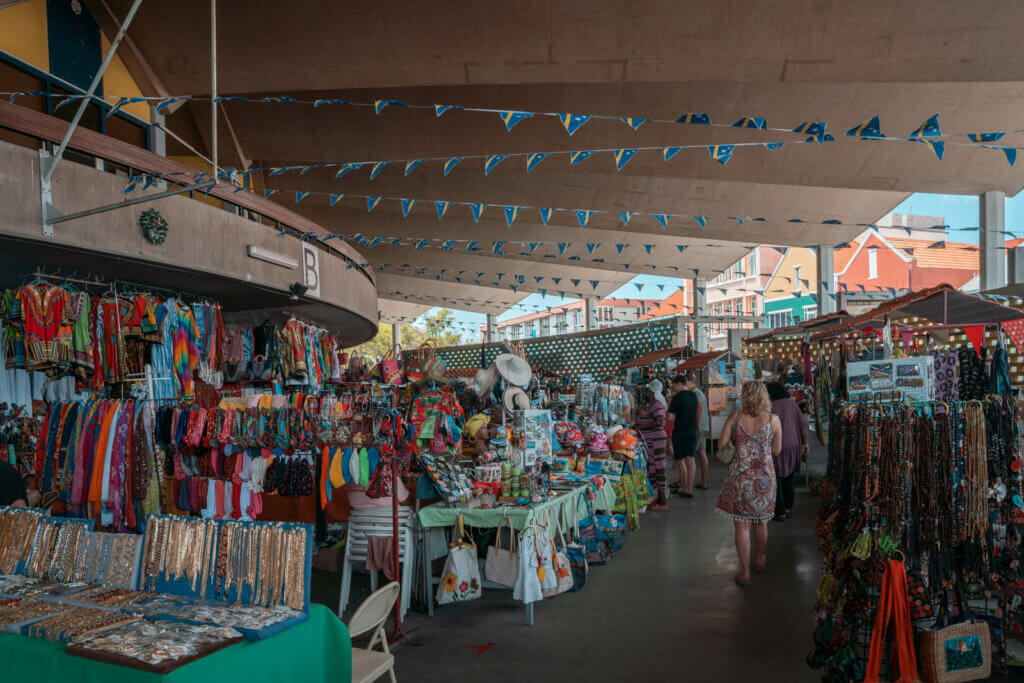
(872, 264)
(810, 312)
(780, 319)
(797, 284)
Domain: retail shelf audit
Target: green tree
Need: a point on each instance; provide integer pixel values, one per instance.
(438, 327)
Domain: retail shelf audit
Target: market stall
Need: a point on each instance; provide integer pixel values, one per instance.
(527, 469)
(922, 500)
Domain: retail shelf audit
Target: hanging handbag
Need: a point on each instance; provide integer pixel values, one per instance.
(595, 543)
(614, 529)
(563, 570)
(954, 653)
(502, 565)
(460, 578)
(389, 368)
(727, 451)
(576, 554)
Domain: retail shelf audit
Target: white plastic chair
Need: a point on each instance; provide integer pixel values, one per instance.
(367, 664)
(377, 522)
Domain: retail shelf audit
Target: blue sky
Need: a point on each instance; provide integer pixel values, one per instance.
(959, 212)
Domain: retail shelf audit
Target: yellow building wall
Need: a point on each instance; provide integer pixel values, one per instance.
(117, 81)
(23, 33)
(779, 287)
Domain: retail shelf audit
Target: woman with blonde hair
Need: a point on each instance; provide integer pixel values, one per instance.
(748, 494)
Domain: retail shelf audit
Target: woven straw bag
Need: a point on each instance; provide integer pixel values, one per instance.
(961, 652)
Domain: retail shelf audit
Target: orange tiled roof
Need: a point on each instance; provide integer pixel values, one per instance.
(957, 255)
(841, 257)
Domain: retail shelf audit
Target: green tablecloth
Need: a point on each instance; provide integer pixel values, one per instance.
(559, 508)
(318, 649)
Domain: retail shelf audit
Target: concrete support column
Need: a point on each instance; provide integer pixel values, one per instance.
(589, 313)
(491, 329)
(700, 308)
(396, 338)
(992, 240)
(826, 280)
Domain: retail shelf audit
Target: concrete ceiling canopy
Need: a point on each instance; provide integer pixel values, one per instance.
(609, 57)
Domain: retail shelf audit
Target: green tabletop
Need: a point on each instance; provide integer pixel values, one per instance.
(559, 508)
(318, 649)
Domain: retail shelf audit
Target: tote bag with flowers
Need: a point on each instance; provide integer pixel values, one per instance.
(460, 578)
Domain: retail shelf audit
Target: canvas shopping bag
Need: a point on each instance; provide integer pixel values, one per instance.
(502, 565)
(460, 578)
(595, 543)
(576, 554)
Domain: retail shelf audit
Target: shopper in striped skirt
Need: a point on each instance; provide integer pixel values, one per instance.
(651, 424)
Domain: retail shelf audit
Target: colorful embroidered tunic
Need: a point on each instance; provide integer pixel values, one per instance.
(47, 332)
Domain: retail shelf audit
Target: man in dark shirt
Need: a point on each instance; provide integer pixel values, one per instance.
(12, 488)
(684, 409)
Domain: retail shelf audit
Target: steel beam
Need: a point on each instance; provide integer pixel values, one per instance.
(130, 202)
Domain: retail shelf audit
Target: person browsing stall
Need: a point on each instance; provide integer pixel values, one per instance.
(685, 411)
(703, 428)
(12, 488)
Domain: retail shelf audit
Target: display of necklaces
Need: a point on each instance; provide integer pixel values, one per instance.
(258, 564)
(935, 482)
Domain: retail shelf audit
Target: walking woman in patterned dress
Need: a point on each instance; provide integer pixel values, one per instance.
(748, 494)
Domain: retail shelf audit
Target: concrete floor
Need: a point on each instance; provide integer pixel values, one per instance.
(665, 609)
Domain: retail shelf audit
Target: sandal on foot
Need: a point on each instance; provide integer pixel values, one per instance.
(761, 564)
(741, 581)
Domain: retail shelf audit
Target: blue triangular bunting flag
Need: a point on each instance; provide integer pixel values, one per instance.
(750, 122)
(496, 250)
(477, 209)
(407, 205)
(378, 166)
(648, 248)
(491, 162)
(381, 105)
(814, 128)
(573, 122)
(670, 152)
(371, 203)
(442, 108)
(511, 118)
(450, 163)
(681, 247)
(471, 245)
(634, 123)
(662, 218)
(984, 137)
(936, 146)
(620, 247)
(870, 129)
(591, 246)
(299, 196)
(721, 153)
(561, 248)
(442, 208)
(345, 168)
(575, 282)
(534, 245)
(695, 119)
(511, 212)
(626, 216)
(448, 244)
(595, 283)
(532, 160)
(420, 244)
(583, 216)
(1011, 154)
(577, 157)
(770, 146)
(623, 157)
(928, 129)
(411, 165)
(702, 220)
(546, 213)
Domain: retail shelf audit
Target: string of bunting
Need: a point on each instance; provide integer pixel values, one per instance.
(928, 133)
(513, 212)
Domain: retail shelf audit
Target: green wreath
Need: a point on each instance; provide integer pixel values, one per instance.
(154, 226)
